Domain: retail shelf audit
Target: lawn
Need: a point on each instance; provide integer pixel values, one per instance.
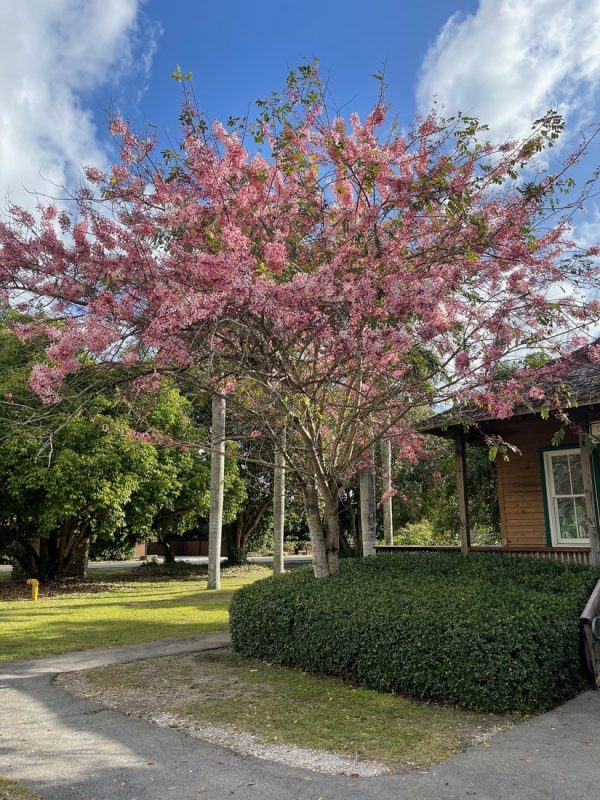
(127, 609)
(282, 706)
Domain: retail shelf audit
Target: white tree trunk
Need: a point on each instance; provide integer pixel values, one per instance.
(366, 478)
(279, 504)
(386, 473)
(217, 475)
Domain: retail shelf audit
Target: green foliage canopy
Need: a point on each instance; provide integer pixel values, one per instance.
(108, 472)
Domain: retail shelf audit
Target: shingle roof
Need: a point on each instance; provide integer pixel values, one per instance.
(582, 380)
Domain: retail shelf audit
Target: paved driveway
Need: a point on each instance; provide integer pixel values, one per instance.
(67, 748)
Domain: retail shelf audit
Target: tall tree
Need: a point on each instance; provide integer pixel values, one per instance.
(279, 503)
(217, 476)
(388, 491)
(343, 273)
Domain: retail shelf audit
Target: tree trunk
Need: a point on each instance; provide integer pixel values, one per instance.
(62, 554)
(63, 541)
(386, 472)
(367, 510)
(169, 555)
(315, 526)
(234, 535)
(279, 504)
(217, 474)
(357, 528)
(324, 532)
(25, 561)
(237, 533)
(354, 533)
(462, 494)
(332, 531)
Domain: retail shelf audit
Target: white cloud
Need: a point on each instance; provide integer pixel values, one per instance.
(587, 228)
(53, 55)
(512, 60)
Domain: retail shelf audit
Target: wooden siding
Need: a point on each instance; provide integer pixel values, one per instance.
(520, 492)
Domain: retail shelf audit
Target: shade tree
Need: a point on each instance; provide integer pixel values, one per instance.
(120, 470)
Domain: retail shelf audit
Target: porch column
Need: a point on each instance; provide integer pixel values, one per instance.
(590, 503)
(461, 492)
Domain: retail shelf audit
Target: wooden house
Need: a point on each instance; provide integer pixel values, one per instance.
(548, 494)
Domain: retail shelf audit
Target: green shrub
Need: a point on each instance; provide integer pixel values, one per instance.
(484, 632)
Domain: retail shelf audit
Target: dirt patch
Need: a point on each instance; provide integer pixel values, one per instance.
(16, 590)
(115, 582)
(278, 714)
(148, 690)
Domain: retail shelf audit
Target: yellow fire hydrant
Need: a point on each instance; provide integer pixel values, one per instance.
(35, 587)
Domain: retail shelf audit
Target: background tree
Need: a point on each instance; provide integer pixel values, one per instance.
(387, 491)
(426, 510)
(108, 472)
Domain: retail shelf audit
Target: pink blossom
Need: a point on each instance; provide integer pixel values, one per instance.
(388, 495)
(117, 127)
(462, 361)
(94, 175)
(141, 436)
(535, 393)
(594, 354)
(328, 278)
(45, 381)
(228, 385)
(146, 384)
(275, 256)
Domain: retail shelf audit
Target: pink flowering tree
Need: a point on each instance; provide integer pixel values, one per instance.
(331, 277)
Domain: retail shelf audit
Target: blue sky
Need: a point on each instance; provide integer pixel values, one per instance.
(65, 63)
(239, 51)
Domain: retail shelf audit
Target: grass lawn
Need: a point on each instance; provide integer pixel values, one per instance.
(126, 609)
(284, 706)
(10, 790)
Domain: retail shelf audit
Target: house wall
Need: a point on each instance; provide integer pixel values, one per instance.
(520, 493)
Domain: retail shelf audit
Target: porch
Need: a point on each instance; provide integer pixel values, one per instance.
(571, 555)
(547, 493)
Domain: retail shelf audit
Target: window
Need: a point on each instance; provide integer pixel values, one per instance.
(566, 497)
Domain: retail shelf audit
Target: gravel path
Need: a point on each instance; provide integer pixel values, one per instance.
(67, 748)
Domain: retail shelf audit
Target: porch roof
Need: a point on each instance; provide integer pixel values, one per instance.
(582, 378)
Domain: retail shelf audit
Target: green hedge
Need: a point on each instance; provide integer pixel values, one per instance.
(484, 632)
